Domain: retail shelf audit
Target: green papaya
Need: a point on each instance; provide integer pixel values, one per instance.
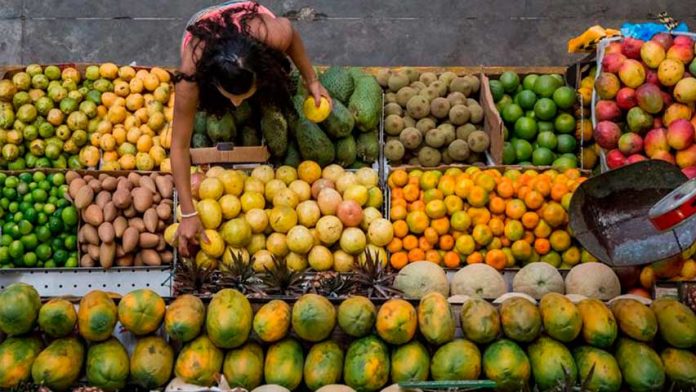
(275, 131)
(640, 365)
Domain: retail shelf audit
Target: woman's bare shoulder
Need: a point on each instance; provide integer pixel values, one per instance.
(275, 32)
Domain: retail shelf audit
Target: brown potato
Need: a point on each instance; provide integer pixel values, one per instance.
(161, 226)
(122, 198)
(87, 261)
(107, 253)
(148, 240)
(106, 232)
(150, 257)
(142, 199)
(137, 223)
(164, 211)
(84, 197)
(102, 198)
(95, 185)
(150, 219)
(130, 239)
(110, 212)
(134, 178)
(93, 251)
(93, 215)
(147, 183)
(88, 178)
(109, 183)
(120, 225)
(165, 186)
(156, 198)
(75, 186)
(89, 235)
(102, 176)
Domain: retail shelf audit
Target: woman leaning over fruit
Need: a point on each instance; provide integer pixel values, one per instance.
(230, 53)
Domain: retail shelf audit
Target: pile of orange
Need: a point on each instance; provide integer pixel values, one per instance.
(480, 215)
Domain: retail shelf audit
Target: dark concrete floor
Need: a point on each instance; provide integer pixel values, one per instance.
(348, 32)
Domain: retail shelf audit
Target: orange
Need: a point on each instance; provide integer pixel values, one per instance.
(309, 171)
(416, 255)
(528, 237)
(514, 230)
(496, 243)
(417, 205)
(505, 189)
(565, 201)
(397, 212)
(431, 236)
(400, 228)
(398, 260)
(447, 185)
(530, 220)
(522, 191)
(497, 205)
(399, 177)
(453, 204)
(647, 277)
(410, 242)
(543, 187)
(441, 225)
(474, 258)
(515, 208)
(465, 244)
(571, 256)
(486, 182)
(479, 216)
(430, 179)
(688, 270)
(543, 230)
(482, 234)
(453, 172)
(560, 240)
(542, 246)
(554, 214)
(433, 256)
(452, 260)
(395, 245)
(461, 221)
(478, 197)
(510, 258)
(463, 187)
(414, 180)
(397, 194)
(411, 192)
(497, 226)
(521, 250)
(424, 244)
(504, 241)
(446, 242)
(558, 189)
(436, 209)
(399, 202)
(497, 259)
(417, 221)
(573, 174)
(432, 194)
(533, 200)
(120, 135)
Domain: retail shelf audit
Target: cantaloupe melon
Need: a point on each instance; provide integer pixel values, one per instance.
(538, 279)
(270, 388)
(478, 280)
(593, 280)
(335, 388)
(420, 278)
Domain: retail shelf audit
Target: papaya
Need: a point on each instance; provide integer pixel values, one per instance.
(635, 319)
(676, 322)
(606, 375)
(397, 321)
(58, 366)
(283, 364)
(57, 318)
(356, 316)
(436, 319)
(599, 327)
(313, 317)
(96, 316)
(551, 362)
(680, 365)
(520, 319)
(243, 366)
(272, 321)
(184, 318)
(459, 359)
(640, 365)
(507, 364)
(410, 362)
(107, 365)
(141, 311)
(152, 362)
(16, 357)
(19, 309)
(229, 318)
(480, 321)
(324, 365)
(366, 367)
(560, 317)
(198, 362)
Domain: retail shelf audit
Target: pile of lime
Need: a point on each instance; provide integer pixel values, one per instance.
(39, 225)
(538, 112)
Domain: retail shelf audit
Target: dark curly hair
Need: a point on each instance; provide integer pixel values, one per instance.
(234, 60)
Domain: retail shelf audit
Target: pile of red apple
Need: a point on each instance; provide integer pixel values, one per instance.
(646, 97)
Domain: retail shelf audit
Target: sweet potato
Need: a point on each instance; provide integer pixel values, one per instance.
(137, 223)
(93, 215)
(165, 186)
(142, 199)
(129, 212)
(148, 240)
(89, 235)
(122, 198)
(107, 253)
(95, 185)
(87, 261)
(164, 211)
(150, 257)
(134, 178)
(102, 198)
(130, 239)
(110, 212)
(125, 261)
(84, 197)
(75, 185)
(147, 183)
(120, 225)
(150, 219)
(106, 232)
(70, 176)
(93, 251)
(167, 257)
(109, 183)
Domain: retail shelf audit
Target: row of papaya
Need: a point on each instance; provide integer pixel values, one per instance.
(565, 342)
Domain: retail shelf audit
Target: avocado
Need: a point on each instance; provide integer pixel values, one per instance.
(275, 131)
(340, 122)
(199, 123)
(221, 129)
(346, 151)
(368, 146)
(366, 103)
(338, 82)
(313, 143)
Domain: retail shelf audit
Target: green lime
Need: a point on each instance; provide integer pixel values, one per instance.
(565, 123)
(55, 224)
(4, 255)
(559, 79)
(58, 179)
(45, 185)
(545, 126)
(26, 177)
(542, 156)
(564, 97)
(60, 203)
(565, 162)
(523, 150)
(49, 264)
(30, 259)
(528, 81)
(508, 154)
(548, 140)
(545, 86)
(60, 256)
(43, 251)
(497, 90)
(39, 176)
(510, 81)
(39, 195)
(526, 99)
(552, 258)
(9, 193)
(545, 109)
(42, 219)
(511, 113)
(49, 208)
(70, 242)
(31, 215)
(43, 233)
(69, 216)
(71, 262)
(530, 114)
(3, 177)
(25, 227)
(5, 240)
(57, 243)
(525, 128)
(11, 182)
(30, 241)
(566, 144)
(16, 249)
(18, 217)
(5, 203)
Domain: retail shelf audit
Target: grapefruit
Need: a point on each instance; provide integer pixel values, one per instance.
(251, 200)
(320, 184)
(210, 213)
(232, 181)
(380, 232)
(350, 213)
(320, 258)
(367, 176)
(277, 244)
(309, 171)
(343, 262)
(215, 246)
(374, 197)
(332, 172)
(230, 206)
(301, 189)
(308, 213)
(286, 197)
(210, 188)
(314, 113)
(346, 180)
(263, 260)
(283, 218)
(296, 262)
(353, 241)
(263, 173)
(287, 174)
(369, 215)
(257, 219)
(300, 240)
(329, 229)
(236, 232)
(328, 201)
(252, 184)
(272, 188)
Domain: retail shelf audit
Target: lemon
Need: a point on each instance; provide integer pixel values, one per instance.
(320, 258)
(316, 114)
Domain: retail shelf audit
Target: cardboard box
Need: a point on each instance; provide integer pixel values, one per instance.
(229, 153)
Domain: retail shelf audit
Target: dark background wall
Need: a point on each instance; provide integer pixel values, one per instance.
(348, 32)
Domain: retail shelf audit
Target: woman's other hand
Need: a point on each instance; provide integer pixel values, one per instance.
(189, 234)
